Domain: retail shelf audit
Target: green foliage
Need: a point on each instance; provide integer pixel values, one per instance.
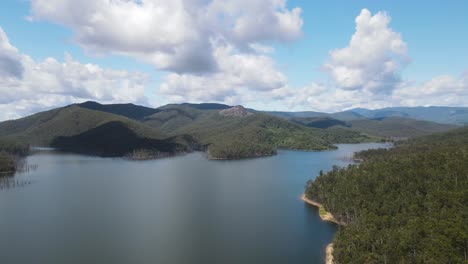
(398, 127)
(403, 205)
(13, 147)
(319, 122)
(42, 128)
(7, 163)
(116, 139)
(132, 111)
(10, 152)
(388, 127)
(235, 149)
(253, 135)
(193, 126)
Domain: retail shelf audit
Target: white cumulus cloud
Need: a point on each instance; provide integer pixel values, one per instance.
(373, 58)
(440, 90)
(10, 66)
(174, 35)
(50, 83)
(239, 74)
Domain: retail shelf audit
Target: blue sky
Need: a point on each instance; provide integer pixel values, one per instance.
(435, 31)
(434, 35)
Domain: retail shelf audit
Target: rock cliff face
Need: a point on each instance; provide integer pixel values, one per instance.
(236, 111)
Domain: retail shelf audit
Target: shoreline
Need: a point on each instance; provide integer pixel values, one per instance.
(329, 254)
(327, 217)
(324, 215)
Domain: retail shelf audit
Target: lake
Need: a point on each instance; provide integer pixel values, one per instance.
(186, 209)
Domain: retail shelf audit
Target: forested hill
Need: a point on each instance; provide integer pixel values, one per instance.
(123, 129)
(389, 127)
(128, 110)
(408, 204)
(225, 132)
(237, 132)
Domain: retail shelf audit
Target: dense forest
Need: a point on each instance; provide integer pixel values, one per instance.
(225, 132)
(247, 133)
(141, 132)
(116, 139)
(388, 127)
(408, 204)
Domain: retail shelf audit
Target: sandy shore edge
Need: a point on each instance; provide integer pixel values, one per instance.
(329, 254)
(327, 216)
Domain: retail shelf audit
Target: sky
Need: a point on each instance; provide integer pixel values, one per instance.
(287, 55)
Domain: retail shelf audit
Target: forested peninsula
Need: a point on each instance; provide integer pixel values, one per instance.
(407, 204)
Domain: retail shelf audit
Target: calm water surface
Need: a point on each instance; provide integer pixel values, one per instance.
(186, 209)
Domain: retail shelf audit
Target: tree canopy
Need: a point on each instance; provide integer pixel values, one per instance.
(402, 205)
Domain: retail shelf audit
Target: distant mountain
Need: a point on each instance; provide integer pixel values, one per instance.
(41, 128)
(125, 129)
(207, 106)
(116, 139)
(236, 111)
(391, 127)
(400, 127)
(82, 130)
(288, 115)
(226, 132)
(343, 116)
(128, 110)
(347, 116)
(238, 132)
(319, 122)
(439, 114)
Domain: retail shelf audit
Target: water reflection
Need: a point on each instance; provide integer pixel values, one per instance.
(184, 210)
(12, 180)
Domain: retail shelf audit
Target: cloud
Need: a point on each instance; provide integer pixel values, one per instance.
(239, 74)
(177, 35)
(250, 21)
(440, 90)
(373, 59)
(315, 97)
(49, 83)
(214, 50)
(10, 65)
(444, 90)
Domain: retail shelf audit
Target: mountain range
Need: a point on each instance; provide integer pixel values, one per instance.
(223, 131)
(438, 114)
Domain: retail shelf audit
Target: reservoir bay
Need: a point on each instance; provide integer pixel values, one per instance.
(185, 209)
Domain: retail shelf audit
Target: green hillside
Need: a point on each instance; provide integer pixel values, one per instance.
(172, 118)
(132, 111)
(117, 139)
(403, 205)
(398, 127)
(391, 127)
(252, 135)
(226, 133)
(319, 122)
(42, 128)
(439, 114)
